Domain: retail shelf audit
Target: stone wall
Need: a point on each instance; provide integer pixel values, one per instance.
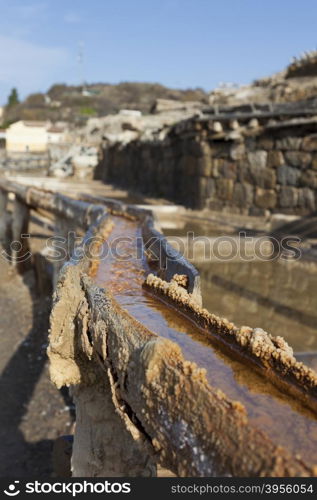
(25, 162)
(269, 168)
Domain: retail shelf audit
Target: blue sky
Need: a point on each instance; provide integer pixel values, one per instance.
(180, 43)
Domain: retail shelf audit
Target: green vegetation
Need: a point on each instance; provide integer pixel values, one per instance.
(88, 111)
(13, 98)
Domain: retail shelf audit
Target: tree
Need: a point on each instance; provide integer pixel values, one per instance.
(13, 98)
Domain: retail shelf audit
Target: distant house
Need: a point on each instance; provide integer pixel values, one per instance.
(32, 136)
(24, 136)
(56, 134)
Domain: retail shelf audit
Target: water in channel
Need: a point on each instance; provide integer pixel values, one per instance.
(122, 271)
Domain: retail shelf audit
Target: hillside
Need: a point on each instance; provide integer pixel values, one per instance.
(295, 84)
(76, 103)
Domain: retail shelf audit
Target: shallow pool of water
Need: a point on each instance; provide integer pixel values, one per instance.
(280, 297)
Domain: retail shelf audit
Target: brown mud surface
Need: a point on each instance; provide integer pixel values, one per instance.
(33, 412)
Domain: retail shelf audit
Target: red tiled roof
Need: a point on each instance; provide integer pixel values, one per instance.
(55, 130)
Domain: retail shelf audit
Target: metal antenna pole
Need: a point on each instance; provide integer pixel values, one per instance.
(80, 59)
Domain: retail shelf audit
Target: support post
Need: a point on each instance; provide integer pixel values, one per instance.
(20, 250)
(104, 446)
(5, 225)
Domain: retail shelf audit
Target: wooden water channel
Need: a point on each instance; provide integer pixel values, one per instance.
(156, 378)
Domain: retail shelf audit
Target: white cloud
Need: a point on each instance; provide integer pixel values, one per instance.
(28, 66)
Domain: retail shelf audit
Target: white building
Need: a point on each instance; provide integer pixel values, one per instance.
(32, 136)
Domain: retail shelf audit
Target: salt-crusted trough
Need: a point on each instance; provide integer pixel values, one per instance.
(156, 378)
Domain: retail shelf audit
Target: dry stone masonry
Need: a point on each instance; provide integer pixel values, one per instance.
(249, 167)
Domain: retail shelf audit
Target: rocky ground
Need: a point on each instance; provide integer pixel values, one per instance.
(33, 413)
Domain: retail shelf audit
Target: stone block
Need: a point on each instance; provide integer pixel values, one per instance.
(310, 143)
(288, 197)
(298, 159)
(289, 143)
(250, 143)
(224, 168)
(288, 176)
(257, 159)
(265, 142)
(275, 159)
(205, 165)
(217, 164)
(243, 174)
(205, 148)
(237, 151)
(243, 194)
(306, 199)
(309, 179)
(228, 170)
(224, 188)
(262, 177)
(314, 162)
(206, 187)
(265, 198)
(254, 123)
